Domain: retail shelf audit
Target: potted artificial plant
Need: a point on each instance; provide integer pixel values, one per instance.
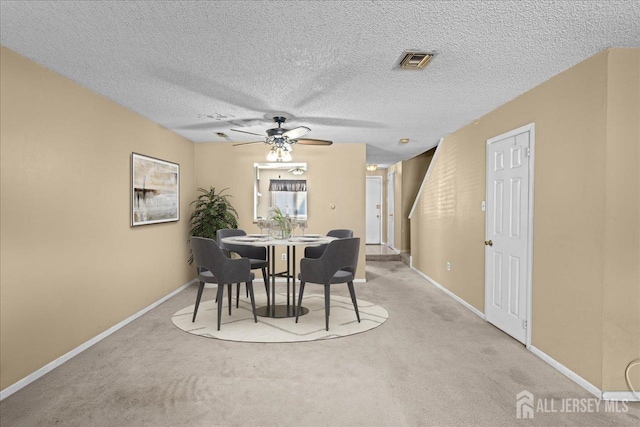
(212, 212)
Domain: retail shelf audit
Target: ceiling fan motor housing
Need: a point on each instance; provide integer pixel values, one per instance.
(276, 132)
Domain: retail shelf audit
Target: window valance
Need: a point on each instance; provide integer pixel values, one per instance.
(288, 185)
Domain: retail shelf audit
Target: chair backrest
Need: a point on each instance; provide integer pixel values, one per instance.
(244, 251)
(207, 254)
(317, 251)
(341, 254)
(340, 233)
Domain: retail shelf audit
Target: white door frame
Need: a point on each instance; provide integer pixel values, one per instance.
(531, 127)
(378, 178)
(391, 203)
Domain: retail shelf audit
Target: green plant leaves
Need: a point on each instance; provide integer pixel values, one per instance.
(212, 212)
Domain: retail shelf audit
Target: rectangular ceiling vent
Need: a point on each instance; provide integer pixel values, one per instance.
(413, 60)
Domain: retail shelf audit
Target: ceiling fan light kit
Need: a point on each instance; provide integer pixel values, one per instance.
(279, 154)
(281, 139)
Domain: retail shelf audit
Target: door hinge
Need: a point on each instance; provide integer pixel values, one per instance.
(528, 152)
(524, 324)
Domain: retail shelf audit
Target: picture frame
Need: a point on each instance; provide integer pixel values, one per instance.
(155, 190)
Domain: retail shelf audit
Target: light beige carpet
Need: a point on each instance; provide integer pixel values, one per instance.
(240, 326)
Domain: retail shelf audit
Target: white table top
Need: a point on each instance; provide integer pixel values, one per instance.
(257, 240)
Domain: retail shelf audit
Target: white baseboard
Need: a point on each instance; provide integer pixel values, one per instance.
(567, 372)
(65, 357)
(448, 292)
(621, 396)
(604, 395)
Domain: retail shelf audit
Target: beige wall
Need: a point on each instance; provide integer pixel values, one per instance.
(408, 179)
(335, 176)
(413, 172)
(579, 165)
(71, 266)
(621, 297)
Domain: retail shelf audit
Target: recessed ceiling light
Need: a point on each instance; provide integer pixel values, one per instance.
(404, 140)
(414, 60)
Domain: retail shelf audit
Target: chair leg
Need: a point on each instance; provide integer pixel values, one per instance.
(229, 291)
(220, 291)
(266, 282)
(253, 300)
(195, 311)
(238, 295)
(352, 292)
(301, 291)
(327, 304)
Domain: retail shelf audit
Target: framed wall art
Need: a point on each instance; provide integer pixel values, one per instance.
(155, 190)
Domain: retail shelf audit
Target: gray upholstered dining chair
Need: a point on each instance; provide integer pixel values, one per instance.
(257, 255)
(227, 271)
(316, 251)
(204, 277)
(337, 264)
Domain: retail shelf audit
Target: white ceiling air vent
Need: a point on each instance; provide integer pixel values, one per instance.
(414, 60)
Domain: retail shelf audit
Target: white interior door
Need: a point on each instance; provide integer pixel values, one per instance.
(374, 210)
(390, 209)
(507, 256)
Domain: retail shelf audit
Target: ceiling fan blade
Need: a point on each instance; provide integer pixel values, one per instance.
(244, 131)
(296, 132)
(247, 143)
(313, 142)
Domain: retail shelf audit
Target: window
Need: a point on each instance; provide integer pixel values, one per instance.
(290, 196)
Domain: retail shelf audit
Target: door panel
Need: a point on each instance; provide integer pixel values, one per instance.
(391, 209)
(374, 210)
(507, 233)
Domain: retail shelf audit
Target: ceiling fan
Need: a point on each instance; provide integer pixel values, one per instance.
(283, 138)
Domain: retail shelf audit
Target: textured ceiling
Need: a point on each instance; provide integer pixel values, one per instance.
(203, 67)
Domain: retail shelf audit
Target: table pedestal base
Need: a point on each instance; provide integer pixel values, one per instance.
(280, 311)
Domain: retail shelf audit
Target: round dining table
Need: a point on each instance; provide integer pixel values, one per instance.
(272, 309)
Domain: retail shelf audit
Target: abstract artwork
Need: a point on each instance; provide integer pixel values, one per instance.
(155, 190)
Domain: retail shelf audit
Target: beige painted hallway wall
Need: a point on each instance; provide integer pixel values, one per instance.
(409, 175)
(621, 297)
(586, 297)
(71, 265)
(413, 172)
(335, 176)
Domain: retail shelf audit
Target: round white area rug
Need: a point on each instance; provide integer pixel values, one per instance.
(240, 326)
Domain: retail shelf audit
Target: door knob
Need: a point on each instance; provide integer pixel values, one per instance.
(488, 242)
